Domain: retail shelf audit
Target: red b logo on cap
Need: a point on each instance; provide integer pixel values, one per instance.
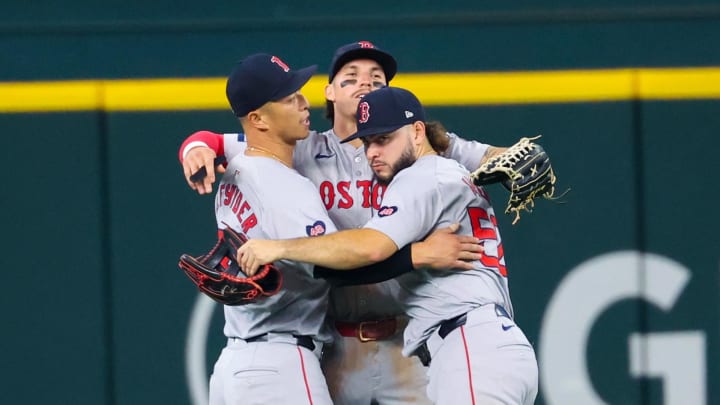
(280, 63)
(364, 112)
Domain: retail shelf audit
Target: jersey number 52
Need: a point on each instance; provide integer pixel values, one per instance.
(484, 227)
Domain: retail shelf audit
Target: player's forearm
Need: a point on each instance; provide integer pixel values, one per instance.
(397, 264)
(341, 250)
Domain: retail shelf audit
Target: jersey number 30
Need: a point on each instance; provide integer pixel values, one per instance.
(484, 227)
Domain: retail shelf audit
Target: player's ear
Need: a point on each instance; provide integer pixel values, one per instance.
(257, 119)
(329, 92)
(419, 131)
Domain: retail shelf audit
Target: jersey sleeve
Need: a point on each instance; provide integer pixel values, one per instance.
(410, 208)
(467, 153)
(235, 144)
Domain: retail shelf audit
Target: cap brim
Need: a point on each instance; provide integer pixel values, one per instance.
(296, 81)
(385, 60)
(372, 131)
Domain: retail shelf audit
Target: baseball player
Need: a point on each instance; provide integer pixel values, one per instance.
(273, 348)
(461, 322)
(364, 363)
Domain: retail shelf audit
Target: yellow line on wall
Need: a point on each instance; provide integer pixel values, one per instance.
(165, 94)
(678, 84)
(433, 89)
(519, 87)
(50, 96)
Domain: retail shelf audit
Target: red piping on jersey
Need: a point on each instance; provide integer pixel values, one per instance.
(302, 365)
(214, 141)
(467, 361)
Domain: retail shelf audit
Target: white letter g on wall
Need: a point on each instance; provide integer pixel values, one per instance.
(582, 296)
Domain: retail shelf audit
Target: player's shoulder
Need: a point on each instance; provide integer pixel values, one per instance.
(260, 168)
(270, 178)
(318, 145)
(285, 180)
(308, 142)
(446, 163)
(437, 164)
(420, 176)
(431, 172)
(314, 137)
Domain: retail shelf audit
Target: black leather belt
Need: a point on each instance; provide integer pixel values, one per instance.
(448, 326)
(445, 328)
(301, 340)
(451, 324)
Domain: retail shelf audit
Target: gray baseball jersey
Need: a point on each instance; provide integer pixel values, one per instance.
(287, 206)
(344, 179)
(432, 193)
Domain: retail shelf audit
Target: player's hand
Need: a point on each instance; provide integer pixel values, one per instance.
(198, 158)
(443, 250)
(256, 252)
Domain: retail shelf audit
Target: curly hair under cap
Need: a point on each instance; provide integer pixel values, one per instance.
(437, 135)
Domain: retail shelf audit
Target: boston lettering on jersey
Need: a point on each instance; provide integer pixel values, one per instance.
(232, 197)
(338, 195)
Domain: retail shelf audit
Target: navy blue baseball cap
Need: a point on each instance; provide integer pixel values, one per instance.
(362, 50)
(385, 110)
(261, 78)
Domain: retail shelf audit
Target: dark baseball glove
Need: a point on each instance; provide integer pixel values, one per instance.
(525, 170)
(218, 275)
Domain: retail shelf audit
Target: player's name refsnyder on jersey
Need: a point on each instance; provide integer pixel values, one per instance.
(231, 196)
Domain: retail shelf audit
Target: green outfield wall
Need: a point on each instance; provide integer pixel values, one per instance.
(616, 284)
